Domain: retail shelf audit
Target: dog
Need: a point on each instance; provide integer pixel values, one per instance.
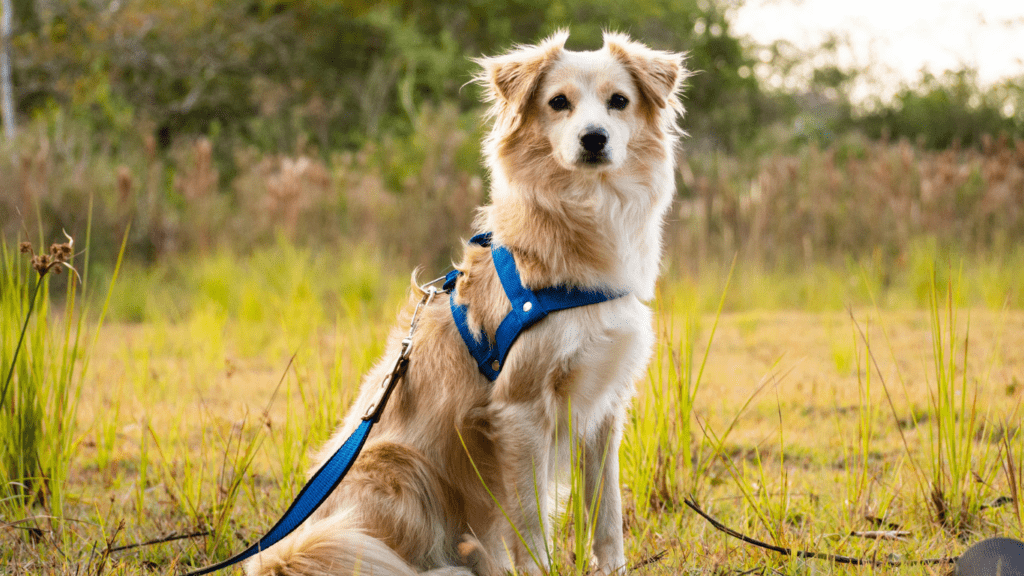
(581, 157)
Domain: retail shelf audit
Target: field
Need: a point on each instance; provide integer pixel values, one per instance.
(248, 186)
(821, 409)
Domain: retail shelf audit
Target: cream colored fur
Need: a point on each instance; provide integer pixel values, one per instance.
(413, 502)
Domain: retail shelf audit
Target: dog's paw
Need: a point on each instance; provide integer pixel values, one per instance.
(613, 567)
(473, 556)
(470, 551)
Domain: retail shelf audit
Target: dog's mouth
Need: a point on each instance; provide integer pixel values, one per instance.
(589, 159)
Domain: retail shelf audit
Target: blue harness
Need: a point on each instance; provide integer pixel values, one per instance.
(528, 307)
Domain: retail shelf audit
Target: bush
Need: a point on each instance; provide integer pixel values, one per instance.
(410, 196)
(851, 200)
(950, 110)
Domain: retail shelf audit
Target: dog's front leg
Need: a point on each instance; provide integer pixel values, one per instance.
(524, 449)
(603, 448)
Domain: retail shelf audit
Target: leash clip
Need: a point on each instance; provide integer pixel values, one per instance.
(387, 385)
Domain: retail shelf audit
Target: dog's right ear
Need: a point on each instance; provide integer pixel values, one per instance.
(512, 79)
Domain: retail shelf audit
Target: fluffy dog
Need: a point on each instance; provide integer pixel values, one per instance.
(582, 168)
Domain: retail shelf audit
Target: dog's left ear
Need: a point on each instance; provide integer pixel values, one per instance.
(659, 75)
(513, 78)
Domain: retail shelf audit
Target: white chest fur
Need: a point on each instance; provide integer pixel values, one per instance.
(599, 352)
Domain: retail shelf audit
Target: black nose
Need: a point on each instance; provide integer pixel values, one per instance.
(594, 139)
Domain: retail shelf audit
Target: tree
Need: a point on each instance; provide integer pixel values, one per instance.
(6, 87)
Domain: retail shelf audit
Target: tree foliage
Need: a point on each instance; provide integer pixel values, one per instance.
(328, 72)
(951, 109)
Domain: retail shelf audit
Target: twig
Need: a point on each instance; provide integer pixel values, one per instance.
(270, 403)
(882, 534)
(804, 554)
(168, 538)
(653, 559)
(105, 555)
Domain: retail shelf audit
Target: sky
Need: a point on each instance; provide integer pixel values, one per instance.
(898, 38)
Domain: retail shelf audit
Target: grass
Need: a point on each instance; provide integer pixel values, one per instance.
(40, 393)
(797, 422)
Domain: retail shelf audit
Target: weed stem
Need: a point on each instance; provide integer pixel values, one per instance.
(21, 338)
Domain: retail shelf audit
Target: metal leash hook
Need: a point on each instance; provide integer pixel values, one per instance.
(387, 385)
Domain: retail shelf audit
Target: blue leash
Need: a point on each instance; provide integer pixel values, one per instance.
(327, 478)
(309, 499)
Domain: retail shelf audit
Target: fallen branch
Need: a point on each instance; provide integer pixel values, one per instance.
(814, 555)
(882, 534)
(169, 538)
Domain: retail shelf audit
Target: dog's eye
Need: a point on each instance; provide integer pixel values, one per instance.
(559, 103)
(618, 102)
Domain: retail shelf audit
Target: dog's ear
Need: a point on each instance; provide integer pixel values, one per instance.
(513, 78)
(658, 75)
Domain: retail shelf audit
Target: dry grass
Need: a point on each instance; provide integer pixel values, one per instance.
(857, 199)
(395, 194)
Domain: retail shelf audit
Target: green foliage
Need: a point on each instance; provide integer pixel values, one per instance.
(952, 109)
(333, 74)
(956, 462)
(40, 389)
(44, 367)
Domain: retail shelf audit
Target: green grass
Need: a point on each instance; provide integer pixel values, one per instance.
(788, 417)
(44, 367)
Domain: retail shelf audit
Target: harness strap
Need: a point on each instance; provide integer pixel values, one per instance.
(528, 307)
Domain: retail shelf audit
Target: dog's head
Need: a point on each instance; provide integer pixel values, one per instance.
(583, 110)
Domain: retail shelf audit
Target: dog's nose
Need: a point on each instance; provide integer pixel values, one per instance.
(594, 139)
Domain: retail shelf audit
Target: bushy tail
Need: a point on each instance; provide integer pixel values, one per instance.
(328, 548)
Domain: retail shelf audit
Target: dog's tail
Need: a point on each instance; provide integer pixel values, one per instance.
(328, 547)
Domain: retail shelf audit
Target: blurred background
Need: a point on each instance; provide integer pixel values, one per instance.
(818, 134)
